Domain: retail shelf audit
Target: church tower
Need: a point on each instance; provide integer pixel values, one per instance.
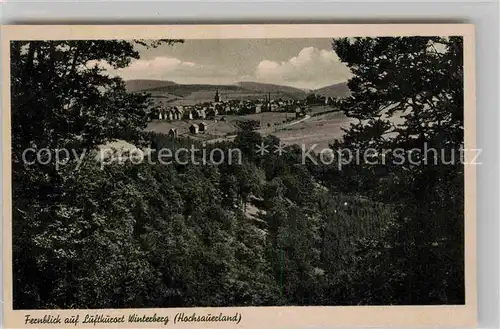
(217, 97)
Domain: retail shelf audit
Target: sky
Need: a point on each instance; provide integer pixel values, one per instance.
(301, 63)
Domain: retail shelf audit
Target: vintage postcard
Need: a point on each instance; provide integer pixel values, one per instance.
(239, 176)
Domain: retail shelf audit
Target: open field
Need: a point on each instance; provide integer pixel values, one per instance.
(320, 108)
(265, 118)
(223, 125)
(321, 130)
(215, 129)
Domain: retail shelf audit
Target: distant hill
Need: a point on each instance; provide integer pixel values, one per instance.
(338, 90)
(273, 89)
(140, 85)
(182, 94)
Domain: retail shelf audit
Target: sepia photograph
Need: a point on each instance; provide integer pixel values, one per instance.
(283, 171)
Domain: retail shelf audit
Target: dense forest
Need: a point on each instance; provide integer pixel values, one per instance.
(155, 235)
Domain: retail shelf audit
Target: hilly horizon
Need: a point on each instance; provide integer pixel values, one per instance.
(337, 90)
(182, 94)
(144, 84)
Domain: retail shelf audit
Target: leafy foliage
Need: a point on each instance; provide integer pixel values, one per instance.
(420, 257)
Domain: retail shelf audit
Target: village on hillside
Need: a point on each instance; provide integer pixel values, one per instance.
(219, 118)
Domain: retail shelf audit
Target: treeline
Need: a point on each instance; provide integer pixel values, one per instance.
(154, 235)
